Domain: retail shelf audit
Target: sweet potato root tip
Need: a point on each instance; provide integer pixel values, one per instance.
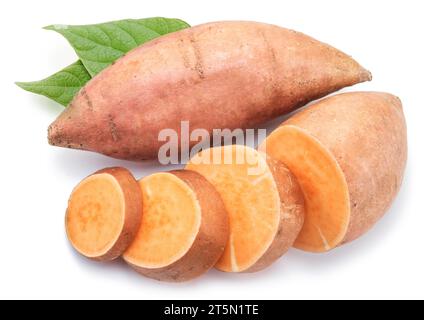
(54, 136)
(104, 213)
(265, 216)
(348, 153)
(183, 230)
(365, 76)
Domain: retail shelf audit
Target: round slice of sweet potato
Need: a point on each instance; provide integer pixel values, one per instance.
(184, 227)
(104, 214)
(263, 200)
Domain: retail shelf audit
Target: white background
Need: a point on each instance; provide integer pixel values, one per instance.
(36, 179)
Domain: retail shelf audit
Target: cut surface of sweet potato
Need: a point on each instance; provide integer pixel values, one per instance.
(183, 229)
(348, 153)
(323, 183)
(262, 224)
(171, 212)
(103, 214)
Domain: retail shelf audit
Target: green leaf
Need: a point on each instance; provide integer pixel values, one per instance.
(62, 86)
(100, 45)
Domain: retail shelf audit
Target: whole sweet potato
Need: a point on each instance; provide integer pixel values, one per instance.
(217, 75)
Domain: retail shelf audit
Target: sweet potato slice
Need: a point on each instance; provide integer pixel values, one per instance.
(348, 153)
(264, 202)
(104, 213)
(183, 230)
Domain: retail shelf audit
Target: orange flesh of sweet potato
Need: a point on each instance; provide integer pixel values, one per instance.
(170, 223)
(103, 214)
(184, 227)
(96, 215)
(323, 183)
(254, 207)
(349, 154)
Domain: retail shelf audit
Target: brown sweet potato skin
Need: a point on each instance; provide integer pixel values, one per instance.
(133, 211)
(292, 215)
(211, 239)
(217, 75)
(366, 132)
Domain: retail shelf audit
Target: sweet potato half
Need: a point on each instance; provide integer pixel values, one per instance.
(104, 213)
(263, 200)
(217, 75)
(184, 227)
(348, 153)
